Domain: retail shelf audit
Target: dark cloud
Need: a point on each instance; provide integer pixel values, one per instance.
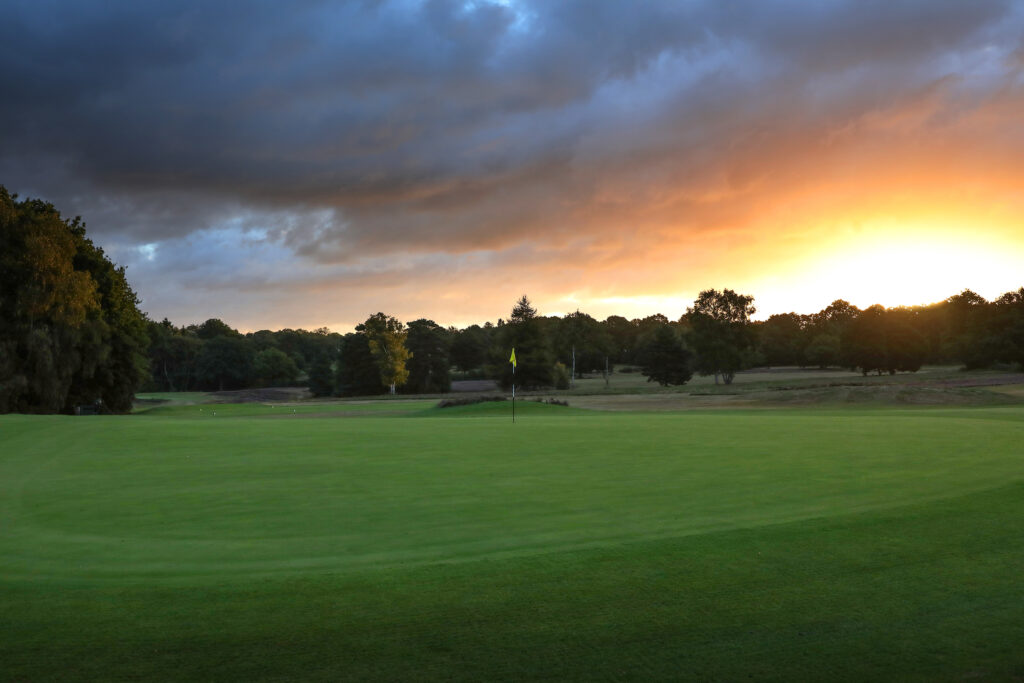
(340, 132)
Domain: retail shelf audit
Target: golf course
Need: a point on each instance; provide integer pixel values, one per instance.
(394, 540)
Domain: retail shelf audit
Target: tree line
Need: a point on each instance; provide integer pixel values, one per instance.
(71, 333)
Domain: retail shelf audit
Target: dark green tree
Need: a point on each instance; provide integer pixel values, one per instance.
(469, 348)
(225, 363)
(214, 327)
(665, 358)
(880, 340)
(781, 339)
(273, 367)
(622, 338)
(321, 376)
(429, 365)
(824, 350)
(582, 343)
(524, 332)
(358, 374)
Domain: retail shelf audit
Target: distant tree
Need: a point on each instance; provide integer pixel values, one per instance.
(469, 347)
(864, 344)
(906, 348)
(834, 318)
(1006, 327)
(214, 327)
(824, 350)
(321, 376)
(358, 373)
(665, 358)
(386, 335)
(172, 357)
(883, 341)
(263, 339)
(429, 365)
(622, 338)
(721, 333)
(273, 367)
(781, 339)
(225, 363)
(524, 332)
(581, 343)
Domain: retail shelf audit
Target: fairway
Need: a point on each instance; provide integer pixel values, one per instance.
(386, 543)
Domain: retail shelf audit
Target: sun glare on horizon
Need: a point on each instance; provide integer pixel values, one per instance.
(904, 270)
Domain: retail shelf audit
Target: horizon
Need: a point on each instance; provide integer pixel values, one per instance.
(757, 317)
(306, 167)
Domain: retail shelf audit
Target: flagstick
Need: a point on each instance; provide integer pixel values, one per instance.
(513, 394)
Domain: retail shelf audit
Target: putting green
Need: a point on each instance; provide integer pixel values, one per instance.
(774, 545)
(159, 498)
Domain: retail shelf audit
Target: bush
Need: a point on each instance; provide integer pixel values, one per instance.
(560, 375)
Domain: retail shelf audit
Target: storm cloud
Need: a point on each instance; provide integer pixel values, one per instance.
(309, 163)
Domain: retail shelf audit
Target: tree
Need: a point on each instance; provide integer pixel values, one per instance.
(534, 360)
(70, 328)
(273, 367)
(781, 339)
(321, 376)
(582, 343)
(429, 365)
(824, 350)
(224, 363)
(880, 340)
(214, 327)
(622, 338)
(386, 336)
(665, 359)
(469, 347)
(721, 331)
(358, 374)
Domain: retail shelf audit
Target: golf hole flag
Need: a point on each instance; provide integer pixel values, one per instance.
(512, 360)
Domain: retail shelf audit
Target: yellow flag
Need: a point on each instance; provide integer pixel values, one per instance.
(512, 360)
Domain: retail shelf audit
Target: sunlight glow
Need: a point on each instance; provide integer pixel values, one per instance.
(901, 267)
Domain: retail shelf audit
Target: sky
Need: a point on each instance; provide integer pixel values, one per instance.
(309, 163)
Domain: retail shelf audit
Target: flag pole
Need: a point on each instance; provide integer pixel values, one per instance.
(512, 360)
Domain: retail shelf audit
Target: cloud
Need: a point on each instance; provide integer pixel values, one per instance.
(388, 149)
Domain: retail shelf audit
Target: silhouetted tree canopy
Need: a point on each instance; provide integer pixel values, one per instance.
(721, 331)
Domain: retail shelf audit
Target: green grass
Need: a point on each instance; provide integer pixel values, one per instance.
(778, 545)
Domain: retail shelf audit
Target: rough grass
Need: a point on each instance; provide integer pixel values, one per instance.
(778, 545)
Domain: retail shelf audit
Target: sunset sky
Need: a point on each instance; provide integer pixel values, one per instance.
(307, 163)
